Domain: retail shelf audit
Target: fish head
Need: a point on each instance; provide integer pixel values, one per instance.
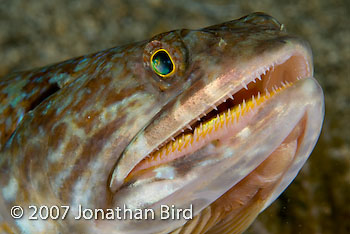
(231, 142)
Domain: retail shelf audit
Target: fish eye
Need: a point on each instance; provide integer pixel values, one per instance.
(162, 63)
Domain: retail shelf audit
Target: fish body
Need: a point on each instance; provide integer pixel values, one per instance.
(218, 119)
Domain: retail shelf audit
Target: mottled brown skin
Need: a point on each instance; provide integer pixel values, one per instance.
(72, 120)
(80, 105)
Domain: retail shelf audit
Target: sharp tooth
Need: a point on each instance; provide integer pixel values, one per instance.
(214, 107)
(157, 148)
(259, 77)
(215, 120)
(267, 92)
(239, 113)
(264, 72)
(253, 99)
(258, 95)
(273, 89)
(230, 96)
(195, 133)
(283, 84)
(189, 127)
(199, 119)
(254, 80)
(182, 130)
(243, 103)
(244, 85)
(172, 138)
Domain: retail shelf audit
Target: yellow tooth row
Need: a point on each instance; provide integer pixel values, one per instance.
(200, 132)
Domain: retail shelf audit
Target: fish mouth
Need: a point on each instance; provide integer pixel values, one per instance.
(230, 114)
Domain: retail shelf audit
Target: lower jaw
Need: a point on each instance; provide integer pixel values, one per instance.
(210, 178)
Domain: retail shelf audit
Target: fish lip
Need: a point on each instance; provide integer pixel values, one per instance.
(295, 47)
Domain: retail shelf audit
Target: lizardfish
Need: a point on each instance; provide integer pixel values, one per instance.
(215, 122)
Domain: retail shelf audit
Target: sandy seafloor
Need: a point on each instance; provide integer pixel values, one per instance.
(37, 33)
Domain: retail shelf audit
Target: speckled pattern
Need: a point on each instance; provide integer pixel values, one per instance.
(318, 201)
(94, 108)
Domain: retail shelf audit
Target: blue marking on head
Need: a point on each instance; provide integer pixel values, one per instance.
(82, 64)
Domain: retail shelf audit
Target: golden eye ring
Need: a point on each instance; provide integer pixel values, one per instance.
(162, 63)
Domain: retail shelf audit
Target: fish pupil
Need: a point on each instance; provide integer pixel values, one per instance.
(162, 63)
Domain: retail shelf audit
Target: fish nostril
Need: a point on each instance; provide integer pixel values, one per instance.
(259, 18)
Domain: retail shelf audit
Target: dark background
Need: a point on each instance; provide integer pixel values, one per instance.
(37, 33)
